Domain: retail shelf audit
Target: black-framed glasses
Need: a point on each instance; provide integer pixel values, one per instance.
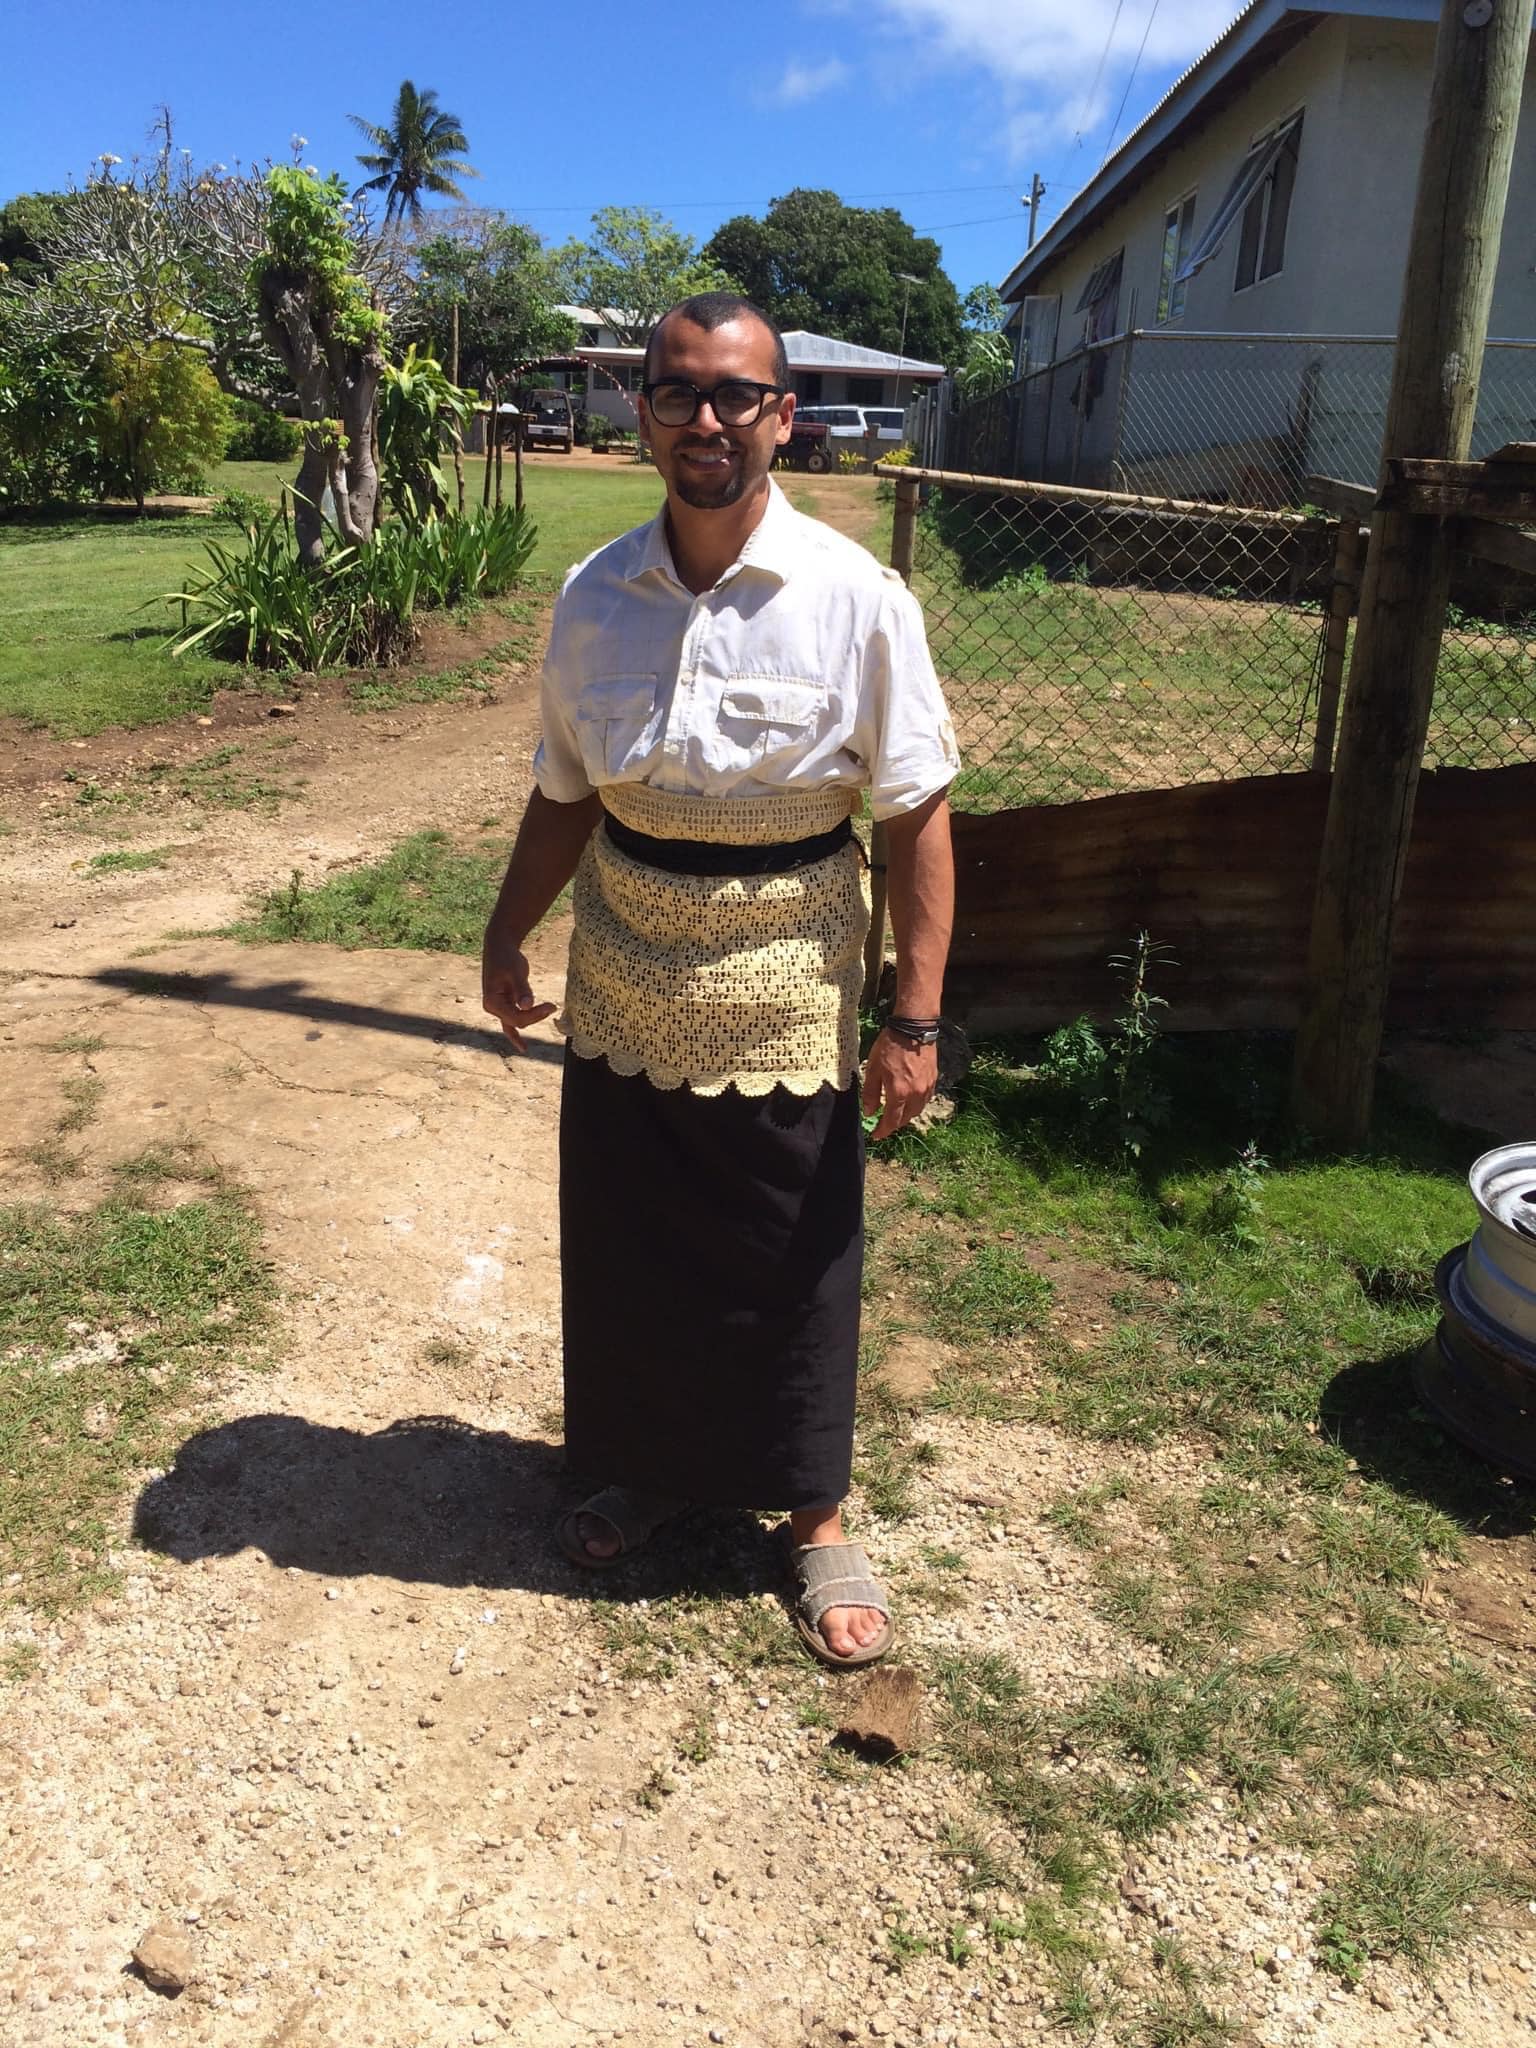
(737, 402)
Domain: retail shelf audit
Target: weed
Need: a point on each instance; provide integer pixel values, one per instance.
(108, 1320)
(1235, 1202)
(427, 894)
(83, 1093)
(1405, 1892)
(77, 1041)
(446, 1354)
(55, 1162)
(696, 1745)
(958, 1946)
(903, 1943)
(123, 861)
(19, 1662)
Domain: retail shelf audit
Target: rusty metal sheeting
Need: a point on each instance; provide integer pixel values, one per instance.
(1223, 874)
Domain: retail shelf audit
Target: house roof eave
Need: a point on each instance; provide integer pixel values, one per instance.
(1225, 62)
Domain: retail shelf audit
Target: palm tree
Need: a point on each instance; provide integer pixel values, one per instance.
(416, 153)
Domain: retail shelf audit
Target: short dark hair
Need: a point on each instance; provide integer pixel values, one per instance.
(710, 310)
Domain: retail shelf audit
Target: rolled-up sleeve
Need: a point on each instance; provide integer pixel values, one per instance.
(902, 731)
(557, 765)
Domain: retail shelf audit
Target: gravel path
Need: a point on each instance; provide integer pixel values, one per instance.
(365, 1753)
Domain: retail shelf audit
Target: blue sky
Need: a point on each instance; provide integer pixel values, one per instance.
(941, 108)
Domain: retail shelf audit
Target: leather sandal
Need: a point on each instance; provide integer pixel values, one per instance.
(633, 1517)
(831, 1575)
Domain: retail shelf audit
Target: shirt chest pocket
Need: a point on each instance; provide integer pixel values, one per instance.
(614, 716)
(768, 718)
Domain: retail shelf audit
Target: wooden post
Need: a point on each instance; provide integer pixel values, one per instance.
(517, 460)
(903, 543)
(1474, 107)
(1341, 604)
(492, 430)
(458, 431)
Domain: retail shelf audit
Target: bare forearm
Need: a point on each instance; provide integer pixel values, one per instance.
(549, 844)
(920, 873)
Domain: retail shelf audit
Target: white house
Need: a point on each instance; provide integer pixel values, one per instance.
(823, 370)
(1250, 238)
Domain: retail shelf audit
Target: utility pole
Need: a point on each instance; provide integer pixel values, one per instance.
(1036, 194)
(1474, 107)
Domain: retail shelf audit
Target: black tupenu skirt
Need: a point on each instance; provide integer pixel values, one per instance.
(711, 1248)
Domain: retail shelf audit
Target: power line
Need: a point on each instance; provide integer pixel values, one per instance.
(1099, 71)
(1110, 143)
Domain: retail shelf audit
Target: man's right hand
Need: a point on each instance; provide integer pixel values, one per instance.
(504, 989)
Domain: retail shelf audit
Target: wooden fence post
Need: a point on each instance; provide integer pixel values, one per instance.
(903, 544)
(1474, 107)
(1342, 593)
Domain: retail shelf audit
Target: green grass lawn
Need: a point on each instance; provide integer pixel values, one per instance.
(79, 652)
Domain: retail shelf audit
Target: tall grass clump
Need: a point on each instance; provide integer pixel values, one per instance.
(257, 604)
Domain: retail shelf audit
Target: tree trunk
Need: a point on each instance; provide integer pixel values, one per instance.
(308, 495)
(356, 375)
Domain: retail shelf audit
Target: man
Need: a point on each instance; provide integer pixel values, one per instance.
(721, 687)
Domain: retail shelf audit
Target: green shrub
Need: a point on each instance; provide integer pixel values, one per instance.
(259, 605)
(262, 436)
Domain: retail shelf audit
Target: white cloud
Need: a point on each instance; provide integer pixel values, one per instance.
(808, 81)
(1048, 56)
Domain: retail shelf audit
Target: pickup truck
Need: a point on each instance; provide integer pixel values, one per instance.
(807, 447)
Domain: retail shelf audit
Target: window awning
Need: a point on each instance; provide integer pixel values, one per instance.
(1255, 168)
(1102, 282)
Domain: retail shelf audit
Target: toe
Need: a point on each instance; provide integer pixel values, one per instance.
(598, 1536)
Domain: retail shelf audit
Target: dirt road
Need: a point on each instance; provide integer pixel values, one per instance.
(397, 1774)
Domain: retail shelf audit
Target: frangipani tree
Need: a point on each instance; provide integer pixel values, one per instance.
(270, 275)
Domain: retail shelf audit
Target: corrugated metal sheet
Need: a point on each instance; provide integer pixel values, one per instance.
(1224, 874)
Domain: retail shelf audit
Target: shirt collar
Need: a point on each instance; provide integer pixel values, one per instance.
(770, 546)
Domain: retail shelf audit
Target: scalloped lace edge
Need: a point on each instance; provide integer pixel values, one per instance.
(806, 1082)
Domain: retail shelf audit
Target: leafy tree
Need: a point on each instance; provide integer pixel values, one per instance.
(50, 417)
(635, 265)
(502, 280)
(292, 293)
(164, 420)
(984, 309)
(418, 152)
(24, 224)
(815, 263)
(261, 436)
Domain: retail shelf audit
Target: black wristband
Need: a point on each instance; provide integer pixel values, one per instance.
(917, 1030)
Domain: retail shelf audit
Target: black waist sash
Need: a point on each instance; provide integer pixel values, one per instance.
(702, 857)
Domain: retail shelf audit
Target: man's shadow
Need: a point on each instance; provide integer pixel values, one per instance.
(427, 1500)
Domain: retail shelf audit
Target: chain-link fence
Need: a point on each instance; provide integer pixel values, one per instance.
(1092, 643)
(1227, 418)
(1088, 645)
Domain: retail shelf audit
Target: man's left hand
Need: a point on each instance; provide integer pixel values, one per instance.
(899, 1080)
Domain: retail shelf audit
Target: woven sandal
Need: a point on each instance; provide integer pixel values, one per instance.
(836, 1575)
(633, 1517)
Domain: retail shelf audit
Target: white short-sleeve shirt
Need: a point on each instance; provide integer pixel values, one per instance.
(805, 667)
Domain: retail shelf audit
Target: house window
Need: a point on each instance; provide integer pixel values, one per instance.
(1261, 247)
(810, 386)
(1100, 298)
(865, 390)
(1260, 194)
(1178, 229)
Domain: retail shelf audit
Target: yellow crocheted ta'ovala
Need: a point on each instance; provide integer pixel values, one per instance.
(710, 981)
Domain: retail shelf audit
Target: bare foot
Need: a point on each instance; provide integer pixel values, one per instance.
(844, 1630)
